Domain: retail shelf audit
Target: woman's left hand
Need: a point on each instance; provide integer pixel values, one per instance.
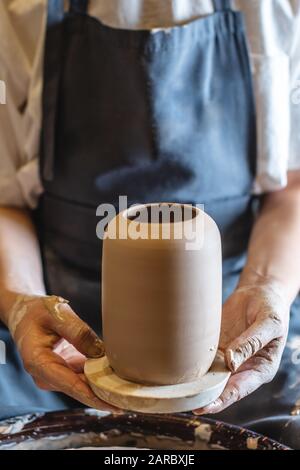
(254, 330)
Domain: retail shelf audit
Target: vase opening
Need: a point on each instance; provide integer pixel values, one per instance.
(161, 213)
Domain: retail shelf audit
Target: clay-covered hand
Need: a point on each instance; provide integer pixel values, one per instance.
(254, 330)
(54, 343)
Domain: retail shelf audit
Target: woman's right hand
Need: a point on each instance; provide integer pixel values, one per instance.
(54, 343)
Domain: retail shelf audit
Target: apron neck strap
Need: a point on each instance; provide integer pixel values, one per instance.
(222, 5)
(79, 6)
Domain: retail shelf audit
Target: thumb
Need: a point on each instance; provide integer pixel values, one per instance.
(255, 338)
(70, 327)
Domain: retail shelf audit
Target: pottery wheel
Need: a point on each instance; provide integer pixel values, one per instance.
(108, 386)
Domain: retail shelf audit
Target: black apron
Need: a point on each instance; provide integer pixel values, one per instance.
(164, 116)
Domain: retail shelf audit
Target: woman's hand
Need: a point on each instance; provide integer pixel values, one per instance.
(54, 342)
(253, 335)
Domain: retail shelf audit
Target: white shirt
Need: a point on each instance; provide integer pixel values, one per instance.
(273, 28)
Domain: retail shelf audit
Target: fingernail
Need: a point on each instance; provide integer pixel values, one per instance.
(98, 405)
(211, 408)
(199, 412)
(233, 359)
(96, 349)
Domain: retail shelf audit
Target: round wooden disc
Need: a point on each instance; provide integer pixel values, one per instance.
(156, 399)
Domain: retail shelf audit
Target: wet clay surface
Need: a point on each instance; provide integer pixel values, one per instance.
(162, 303)
(91, 428)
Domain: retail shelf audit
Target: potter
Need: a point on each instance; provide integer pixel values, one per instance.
(163, 325)
(175, 100)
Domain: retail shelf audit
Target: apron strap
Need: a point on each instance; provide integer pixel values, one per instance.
(56, 13)
(52, 68)
(79, 6)
(222, 5)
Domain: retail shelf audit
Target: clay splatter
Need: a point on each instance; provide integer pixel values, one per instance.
(252, 443)
(203, 432)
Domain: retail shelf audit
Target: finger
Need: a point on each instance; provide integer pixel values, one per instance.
(255, 338)
(43, 385)
(51, 369)
(254, 373)
(238, 386)
(69, 326)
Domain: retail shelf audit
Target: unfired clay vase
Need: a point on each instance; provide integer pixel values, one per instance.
(161, 302)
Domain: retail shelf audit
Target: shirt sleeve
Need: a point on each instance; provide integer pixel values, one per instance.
(294, 157)
(274, 42)
(21, 44)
